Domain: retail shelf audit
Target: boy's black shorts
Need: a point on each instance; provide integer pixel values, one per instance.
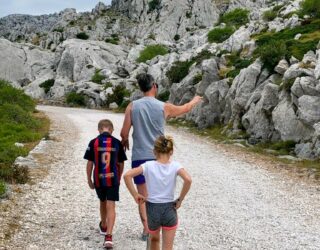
(108, 193)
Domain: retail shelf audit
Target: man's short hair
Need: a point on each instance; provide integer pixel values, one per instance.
(105, 123)
(145, 81)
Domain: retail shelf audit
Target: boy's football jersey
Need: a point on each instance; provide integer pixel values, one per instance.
(106, 152)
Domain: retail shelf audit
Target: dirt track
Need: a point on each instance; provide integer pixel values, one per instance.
(232, 204)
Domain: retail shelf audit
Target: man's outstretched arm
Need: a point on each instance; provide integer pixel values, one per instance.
(126, 127)
(171, 110)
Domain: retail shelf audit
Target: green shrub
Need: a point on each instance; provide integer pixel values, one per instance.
(234, 60)
(59, 29)
(97, 77)
(236, 17)
(219, 35)
(271, 53)
(75, 99)
(72, 23)
(164, 96)
(203, 55)
(178, 71)
(82, 35)
(152, 51)
(311, 8)
(298, 49)
(114, 39)
(269, 15)
(197, 78)
(176, 37)
(3, 188)
(118, 95)
(10, 95)
(46, 85)
(17, 124)
(153, 5)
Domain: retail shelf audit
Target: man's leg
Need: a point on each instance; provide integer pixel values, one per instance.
(142, 189)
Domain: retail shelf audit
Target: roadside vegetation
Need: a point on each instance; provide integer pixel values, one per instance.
(271, 150)
(19, 123)
(152, 51)
(232, 20)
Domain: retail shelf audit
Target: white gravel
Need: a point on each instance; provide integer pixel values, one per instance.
(231, 205)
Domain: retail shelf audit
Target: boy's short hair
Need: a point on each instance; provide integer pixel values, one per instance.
(105, 123)
(145, 81)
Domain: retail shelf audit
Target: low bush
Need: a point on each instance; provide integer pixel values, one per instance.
(236, 17)
(164, 96)
(234, 60)
(219, 35)
(75, 99)
(2, 188)
(152, 51)
(197, 78)
(46, 85)
(176, 37)
(114, 39)
(178, 71)
(269, 15)
(82, 35)
(271, 53)
(118, 95)
(310, 7)
(17, 124)
(154, 4)
(97, 77)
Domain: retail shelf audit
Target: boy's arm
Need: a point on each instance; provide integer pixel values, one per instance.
(128, 180)
(171, 110)
(126, 127)
(89, 174)
(121, 165)
(186, 186)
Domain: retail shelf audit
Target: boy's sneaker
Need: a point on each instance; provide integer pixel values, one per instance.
(108, 244)
(102, 230)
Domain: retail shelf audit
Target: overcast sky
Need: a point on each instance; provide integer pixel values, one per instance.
(38, 7)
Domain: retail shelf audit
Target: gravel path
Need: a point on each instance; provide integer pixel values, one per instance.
(232, 204)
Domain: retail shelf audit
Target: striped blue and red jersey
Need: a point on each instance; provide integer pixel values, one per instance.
(106, 152)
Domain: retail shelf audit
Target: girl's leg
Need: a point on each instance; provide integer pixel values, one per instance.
(111, 215)
(154, 239)
(167, 239)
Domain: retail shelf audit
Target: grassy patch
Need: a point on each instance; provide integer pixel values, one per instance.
(18, 123)
(154, 4)
(164, 96)
(75, 99)
(2, 188)
(180, 69)
(236, 17)
(97, 77)
(275, 45)
(310, 7)
(152, 51)
(219, 35)
(114, 39)
(118, 95)
(238, 63)
(46, 85)
(82, 35)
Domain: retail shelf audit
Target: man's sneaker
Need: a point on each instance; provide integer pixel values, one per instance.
(102, 230)
(108, 244)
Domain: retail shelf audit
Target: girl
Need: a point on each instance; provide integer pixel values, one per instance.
(160, 176)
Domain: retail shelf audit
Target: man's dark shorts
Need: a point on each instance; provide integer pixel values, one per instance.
(161, 215)
(139, 179)
(108, 193)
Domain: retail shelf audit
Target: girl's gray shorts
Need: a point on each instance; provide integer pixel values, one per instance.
(161, 215)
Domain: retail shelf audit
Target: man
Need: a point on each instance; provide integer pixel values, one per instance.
(147, 117)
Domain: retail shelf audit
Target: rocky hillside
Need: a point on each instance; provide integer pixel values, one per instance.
(255, 62)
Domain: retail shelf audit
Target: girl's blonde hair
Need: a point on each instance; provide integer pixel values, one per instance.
(163, 144)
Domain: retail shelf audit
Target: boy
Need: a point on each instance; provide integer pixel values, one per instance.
(107, 156)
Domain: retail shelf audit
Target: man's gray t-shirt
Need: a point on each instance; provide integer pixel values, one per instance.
(147, 116)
